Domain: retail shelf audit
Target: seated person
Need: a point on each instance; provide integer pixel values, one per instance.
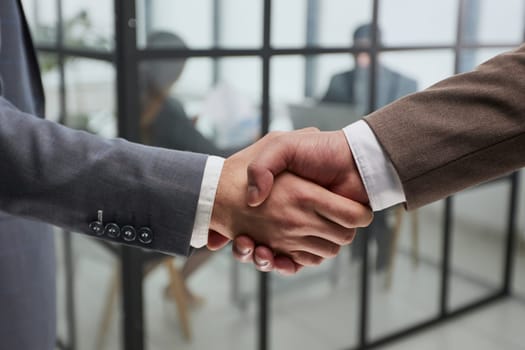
(164, 122)
(352, 87)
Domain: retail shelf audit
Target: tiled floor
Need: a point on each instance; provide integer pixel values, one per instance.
(309, 311)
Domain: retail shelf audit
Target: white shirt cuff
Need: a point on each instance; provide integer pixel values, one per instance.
(210, 181)
(379, 176)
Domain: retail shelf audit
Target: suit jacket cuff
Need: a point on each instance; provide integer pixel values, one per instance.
(210, 181)
(380, 179)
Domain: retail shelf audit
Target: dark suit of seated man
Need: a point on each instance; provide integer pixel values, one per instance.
(351, 87)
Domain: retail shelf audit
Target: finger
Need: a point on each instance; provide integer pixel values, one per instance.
(285, 265)
(263, 259)
(242, 248)
(260, 183)
(341, 210)
(318, 246)
(334, 233)
(272, 161)
(306, 258)
(216, 241)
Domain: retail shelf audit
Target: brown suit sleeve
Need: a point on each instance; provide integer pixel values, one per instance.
(465, 130)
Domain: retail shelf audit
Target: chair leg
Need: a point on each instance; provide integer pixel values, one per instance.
(176, 286)
(108, 307)
(415, 238)
(393, 246)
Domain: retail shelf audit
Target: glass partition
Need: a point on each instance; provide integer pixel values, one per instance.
(43, 20)
(90, 93)
(203, 23)
(478, 244)
(87, 24)
(416, 22)
(488, 18)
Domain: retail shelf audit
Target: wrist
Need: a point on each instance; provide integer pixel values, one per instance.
(222, 213)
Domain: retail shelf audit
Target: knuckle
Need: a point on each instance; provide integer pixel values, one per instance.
(370, 217)
(307, 259)
(348, 237)
(273, 135)
(316, 260)
(333, 251)
(289, 223)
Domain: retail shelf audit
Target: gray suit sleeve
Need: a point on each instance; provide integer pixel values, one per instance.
(63, 177)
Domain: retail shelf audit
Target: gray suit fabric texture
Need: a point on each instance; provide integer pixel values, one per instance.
(63, 177)
(352, 87)
(27, 265)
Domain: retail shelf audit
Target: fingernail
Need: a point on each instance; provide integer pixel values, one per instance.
(245, 251)
(242, 251)
(253, 193)
(261, 262)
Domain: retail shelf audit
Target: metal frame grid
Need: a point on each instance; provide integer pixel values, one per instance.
(127, 56)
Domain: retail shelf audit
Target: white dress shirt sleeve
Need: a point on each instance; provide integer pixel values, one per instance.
(379, 176)
(210, 181)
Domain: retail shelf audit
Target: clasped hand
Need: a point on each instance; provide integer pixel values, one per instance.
(292, 199)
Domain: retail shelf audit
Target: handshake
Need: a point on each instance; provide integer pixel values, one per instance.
(290, 200)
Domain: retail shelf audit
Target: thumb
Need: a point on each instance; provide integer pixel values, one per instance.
(274, 158)
(260, 183)
(216, 241)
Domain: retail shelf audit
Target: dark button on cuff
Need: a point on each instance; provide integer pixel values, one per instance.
(97, 228)
(129, 233)
(112, 230)
(145, 235)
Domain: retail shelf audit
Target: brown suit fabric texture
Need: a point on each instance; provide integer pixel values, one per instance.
(462, 131)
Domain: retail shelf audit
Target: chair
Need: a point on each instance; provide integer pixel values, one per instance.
(175, 289)
(399, 214)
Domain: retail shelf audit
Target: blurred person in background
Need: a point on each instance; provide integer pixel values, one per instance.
(352, 87)
(164, 123)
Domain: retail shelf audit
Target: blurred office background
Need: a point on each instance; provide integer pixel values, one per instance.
(212, 76)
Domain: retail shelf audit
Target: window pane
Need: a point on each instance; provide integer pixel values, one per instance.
(339, 18)
(90, 96)
(191, 20)
(480, 218)
(289, 23)
(493, 21)
(42, 19)
(89, 24)
(425, 67)
(51, 82)
(472, 58)
(332, 22)
(238, 23)
(416, 22)
(404, 267)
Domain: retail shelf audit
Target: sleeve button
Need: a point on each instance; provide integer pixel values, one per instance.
(112, 230)
(129, 233)
(97, 228)
(145, 235)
